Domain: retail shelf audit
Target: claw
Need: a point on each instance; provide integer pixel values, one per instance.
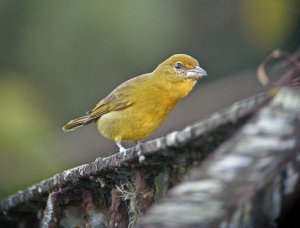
(121, 148)
(138, 142)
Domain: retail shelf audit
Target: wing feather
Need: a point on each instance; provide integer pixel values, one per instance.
(118, 99)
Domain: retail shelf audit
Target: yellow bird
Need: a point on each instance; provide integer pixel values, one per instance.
(137, 107)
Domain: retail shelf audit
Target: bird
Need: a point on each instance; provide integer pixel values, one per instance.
(138, 106)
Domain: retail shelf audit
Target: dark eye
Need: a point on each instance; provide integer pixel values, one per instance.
(178, 65)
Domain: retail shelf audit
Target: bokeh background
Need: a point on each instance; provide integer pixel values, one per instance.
(59, 58)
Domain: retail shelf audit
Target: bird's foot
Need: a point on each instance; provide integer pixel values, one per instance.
(121, 148)
(138, 145)
(98, 159)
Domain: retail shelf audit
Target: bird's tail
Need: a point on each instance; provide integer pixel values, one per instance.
(77, 123)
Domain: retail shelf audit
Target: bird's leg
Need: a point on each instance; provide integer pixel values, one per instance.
(121, 148)
(137, 143)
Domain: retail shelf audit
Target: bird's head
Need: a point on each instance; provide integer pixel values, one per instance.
(180, 66)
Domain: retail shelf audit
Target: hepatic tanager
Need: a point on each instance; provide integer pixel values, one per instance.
(137, 107)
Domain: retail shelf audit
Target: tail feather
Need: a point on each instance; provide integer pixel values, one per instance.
(73, 124)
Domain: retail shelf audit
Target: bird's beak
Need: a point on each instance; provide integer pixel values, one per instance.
(196, 73)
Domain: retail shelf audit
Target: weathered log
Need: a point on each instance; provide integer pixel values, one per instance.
(249, 181)
(116, 190)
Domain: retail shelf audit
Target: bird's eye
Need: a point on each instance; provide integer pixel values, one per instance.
(178, 65)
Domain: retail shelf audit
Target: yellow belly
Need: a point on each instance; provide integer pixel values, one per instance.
(133, 123)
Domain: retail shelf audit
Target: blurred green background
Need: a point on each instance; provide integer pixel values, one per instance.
(59, 58)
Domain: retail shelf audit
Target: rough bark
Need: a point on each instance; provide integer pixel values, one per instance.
(223, 189)
(249, 181)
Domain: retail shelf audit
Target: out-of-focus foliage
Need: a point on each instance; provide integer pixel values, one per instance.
(268, 24)
(24, 123)
(64, 56)
(21, 112)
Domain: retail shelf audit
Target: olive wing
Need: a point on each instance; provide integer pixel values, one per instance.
(118, 99)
